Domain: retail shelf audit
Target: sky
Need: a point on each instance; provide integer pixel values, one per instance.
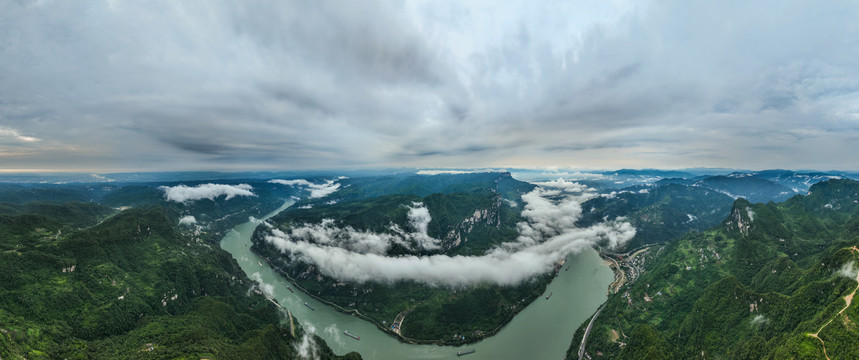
(286, 85)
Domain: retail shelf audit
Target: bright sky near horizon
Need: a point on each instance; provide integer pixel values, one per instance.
(225, 85)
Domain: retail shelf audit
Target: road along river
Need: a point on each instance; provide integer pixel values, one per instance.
(543, 330)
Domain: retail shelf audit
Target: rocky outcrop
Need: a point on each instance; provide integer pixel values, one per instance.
(490, 216)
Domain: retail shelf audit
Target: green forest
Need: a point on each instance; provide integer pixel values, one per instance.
(769, 282)
(83, 281)
(434, 314)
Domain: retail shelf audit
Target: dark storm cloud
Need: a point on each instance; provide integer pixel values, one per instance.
(106, 85)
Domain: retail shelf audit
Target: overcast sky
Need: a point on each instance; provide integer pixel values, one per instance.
(235, 85)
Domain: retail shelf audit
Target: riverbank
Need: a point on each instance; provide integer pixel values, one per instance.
(534, 295)
(627, 267)
(541, 330)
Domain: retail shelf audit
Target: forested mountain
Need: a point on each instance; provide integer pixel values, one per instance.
(469, 215)
(757, 186)
(771, 281)
(85, 281)
(659, 214)
(423, 185)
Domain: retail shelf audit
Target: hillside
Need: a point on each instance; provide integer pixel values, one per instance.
(660, 214)
(213, 217)
(753, 287)
(473, 214)
(77, 284)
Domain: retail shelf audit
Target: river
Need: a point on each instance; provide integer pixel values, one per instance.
(543, 330)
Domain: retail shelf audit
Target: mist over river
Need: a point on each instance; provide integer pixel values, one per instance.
(543, 330)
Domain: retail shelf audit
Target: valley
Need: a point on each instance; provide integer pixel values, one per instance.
(428, 180)
(675, 262)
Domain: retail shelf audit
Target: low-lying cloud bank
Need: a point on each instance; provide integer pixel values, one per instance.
(316, 190)
(548, 235)
(182, 193)
(849, 270)
(267, 289)
(307, 348)
(188, 220)
(327, 233)
(459, 172)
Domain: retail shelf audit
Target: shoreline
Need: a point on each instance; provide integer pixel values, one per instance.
(406, 340)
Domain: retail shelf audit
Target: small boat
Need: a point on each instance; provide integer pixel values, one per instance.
(351, 335)
(309, 307)
(466, 352)
(260, 264)
(548, 296)
(290, 289)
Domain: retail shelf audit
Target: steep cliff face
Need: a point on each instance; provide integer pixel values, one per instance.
(466, 219)
(774, 288)
(741, 217)
(486, 217)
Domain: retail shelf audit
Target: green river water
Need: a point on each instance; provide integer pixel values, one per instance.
(543, 330)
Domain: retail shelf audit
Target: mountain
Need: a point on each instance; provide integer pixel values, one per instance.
(85, 281)
(469, 213)
(757, 186)
(769, 282)
(800, 182)
(659, 214)
(213, 217)
(423, 185)
(649, 173)
(751, 188)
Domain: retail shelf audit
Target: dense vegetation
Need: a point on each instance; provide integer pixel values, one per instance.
(753, 287)
(470, 214)
(81, 281)
(423, 185)
(214, 217)
(660, 214)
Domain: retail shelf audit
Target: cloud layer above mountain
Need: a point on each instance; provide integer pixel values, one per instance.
(293, 84)
(184, 193)
(329, 234)
(548, 235)
(316, 190)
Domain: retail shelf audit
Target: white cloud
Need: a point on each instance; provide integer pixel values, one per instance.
(333, 332)
(419, 218)
(15, 134)
(101, 178)
(457, 172)
(849, 270)
(316, 190)
(307, 348)
(567, 186)
(182, 193)
(267, 289)
(540, 174)
(188, 220)
(759, 320)
(547, 236)
(328, 233)
(606, 83)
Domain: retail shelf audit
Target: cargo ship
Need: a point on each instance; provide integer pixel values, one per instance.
(309, 307)
(351, 335)
(466, 352)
